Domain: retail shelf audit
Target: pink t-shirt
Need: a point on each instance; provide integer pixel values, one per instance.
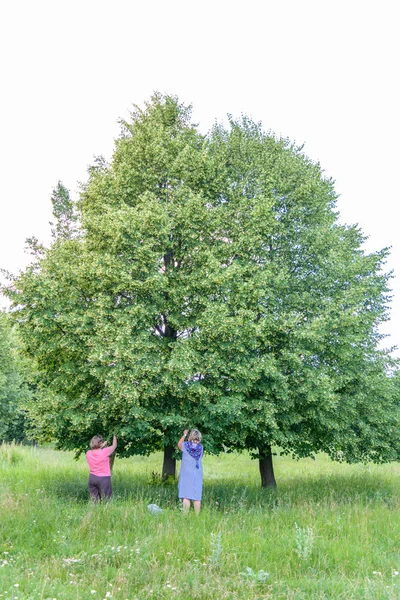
(99, 462)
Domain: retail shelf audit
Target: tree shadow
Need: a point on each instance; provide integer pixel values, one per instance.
(230, 495)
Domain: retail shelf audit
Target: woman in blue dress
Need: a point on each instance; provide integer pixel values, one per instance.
(190, 485)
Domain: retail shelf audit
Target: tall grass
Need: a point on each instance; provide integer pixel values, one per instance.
(329, 531)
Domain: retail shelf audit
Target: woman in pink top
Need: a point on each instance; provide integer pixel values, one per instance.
(98, 458)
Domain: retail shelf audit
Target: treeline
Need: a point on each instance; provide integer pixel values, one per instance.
(15, 389)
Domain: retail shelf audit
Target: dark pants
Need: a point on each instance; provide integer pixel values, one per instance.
(99, 487)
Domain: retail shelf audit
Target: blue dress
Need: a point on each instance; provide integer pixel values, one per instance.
(190, 484)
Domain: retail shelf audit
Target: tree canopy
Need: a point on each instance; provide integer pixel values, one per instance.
(206, 280)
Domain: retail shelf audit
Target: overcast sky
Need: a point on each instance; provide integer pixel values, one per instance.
(323, 73)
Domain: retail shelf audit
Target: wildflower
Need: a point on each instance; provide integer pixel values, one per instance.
(93, 591)
(69, 561)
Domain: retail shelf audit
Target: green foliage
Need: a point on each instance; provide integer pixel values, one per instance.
(9, 454)
(13, 388)
(216, 549)
(305, 539)
(259, 577)
(66, 218)
(209, 283)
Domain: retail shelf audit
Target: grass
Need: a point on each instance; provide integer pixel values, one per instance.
(330, 531)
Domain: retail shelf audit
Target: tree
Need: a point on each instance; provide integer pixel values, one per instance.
(13, 389)
(209, 283)
(301, 327)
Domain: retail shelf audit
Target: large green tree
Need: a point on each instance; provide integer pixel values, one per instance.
(206, 280)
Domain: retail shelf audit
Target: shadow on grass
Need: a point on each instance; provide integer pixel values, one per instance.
(230, 496)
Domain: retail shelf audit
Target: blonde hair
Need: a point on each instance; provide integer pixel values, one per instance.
(195, 436)
(96, 442)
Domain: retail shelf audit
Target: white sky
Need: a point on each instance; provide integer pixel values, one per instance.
(323, 72)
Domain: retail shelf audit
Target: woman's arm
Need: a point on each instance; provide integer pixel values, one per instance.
(113, 445)
(180, 443)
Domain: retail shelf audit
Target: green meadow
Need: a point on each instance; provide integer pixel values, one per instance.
(329, 531)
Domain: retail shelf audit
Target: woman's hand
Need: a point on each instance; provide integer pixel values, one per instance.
(180, 443)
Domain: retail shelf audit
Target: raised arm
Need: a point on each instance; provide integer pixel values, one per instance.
(180, 443)
(113, 445)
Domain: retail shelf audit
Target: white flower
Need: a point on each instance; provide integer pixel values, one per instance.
(16, 584)
(93, 591)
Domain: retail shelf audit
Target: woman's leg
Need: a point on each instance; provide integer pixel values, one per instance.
(94, 488)
(185, 505)
(106, 488)
(197, 505)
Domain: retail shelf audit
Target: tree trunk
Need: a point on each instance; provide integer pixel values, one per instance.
(169, 464)
(266, 468)
(112, 459)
